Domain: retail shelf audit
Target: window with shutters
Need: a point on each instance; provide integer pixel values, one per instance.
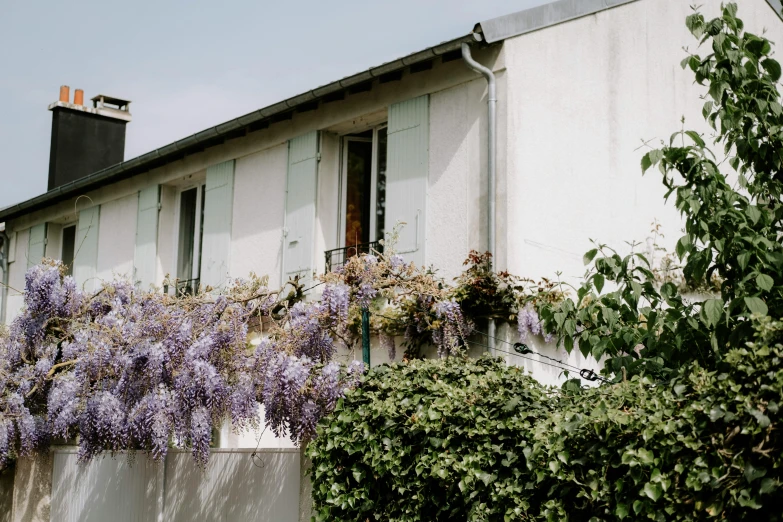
(191, 233)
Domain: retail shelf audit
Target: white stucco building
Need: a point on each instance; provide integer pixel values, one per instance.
(581, 85)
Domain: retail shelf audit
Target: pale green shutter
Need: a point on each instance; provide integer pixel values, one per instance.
(218, 205)
(36, 245)
(145, 259)
(300, 206)
(406, 175)
(85, 264)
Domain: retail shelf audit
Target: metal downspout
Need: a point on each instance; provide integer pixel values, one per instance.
(491, 162)
(4, 283)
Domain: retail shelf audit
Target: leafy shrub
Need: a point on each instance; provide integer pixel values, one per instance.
(476, 440)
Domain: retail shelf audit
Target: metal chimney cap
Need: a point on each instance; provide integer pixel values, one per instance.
(101, 100)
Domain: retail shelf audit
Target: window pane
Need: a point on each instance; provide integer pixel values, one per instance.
(69, 244)
(380, 209)
(187, 224)
(357, 204)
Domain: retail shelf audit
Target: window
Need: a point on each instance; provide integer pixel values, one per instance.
(363, 187)
(191, 231)
(68, 248)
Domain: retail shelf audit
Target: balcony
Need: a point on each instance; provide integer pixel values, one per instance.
(184, 287)
(339, 256)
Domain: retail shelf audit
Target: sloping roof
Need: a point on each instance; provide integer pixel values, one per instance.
(488, 31)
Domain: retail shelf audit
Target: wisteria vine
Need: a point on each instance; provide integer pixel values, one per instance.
(125, 369)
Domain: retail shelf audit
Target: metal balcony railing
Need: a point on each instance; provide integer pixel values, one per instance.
(339, 256)
(184, 287)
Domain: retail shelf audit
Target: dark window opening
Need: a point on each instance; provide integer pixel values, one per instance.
(69, 248)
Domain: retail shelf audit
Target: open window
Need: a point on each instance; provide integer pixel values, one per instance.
(191, 232)
(363, 195)
(68, 250)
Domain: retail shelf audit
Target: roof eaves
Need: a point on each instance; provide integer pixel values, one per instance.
(543, 16)
(776, 6)
(211, 136)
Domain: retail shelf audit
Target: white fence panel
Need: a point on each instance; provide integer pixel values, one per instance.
(234, 487)
(105, 489)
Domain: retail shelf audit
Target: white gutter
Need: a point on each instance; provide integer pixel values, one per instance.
(492, 101)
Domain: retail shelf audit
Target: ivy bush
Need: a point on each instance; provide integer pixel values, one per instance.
(454, 439)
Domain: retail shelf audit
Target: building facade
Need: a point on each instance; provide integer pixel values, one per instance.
(291, 189)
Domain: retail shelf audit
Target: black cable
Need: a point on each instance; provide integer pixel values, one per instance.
(537, 353)
(586, 374)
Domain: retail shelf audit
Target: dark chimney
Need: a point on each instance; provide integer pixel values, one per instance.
(85, 139)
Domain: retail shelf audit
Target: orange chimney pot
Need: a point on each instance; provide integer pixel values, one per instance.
(78, 97)
(65, 93)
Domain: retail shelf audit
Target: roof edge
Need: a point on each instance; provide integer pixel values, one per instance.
(219, 133)
(543, 16)
(776, 6)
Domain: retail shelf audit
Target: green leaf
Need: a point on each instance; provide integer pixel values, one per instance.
(768, 485)
(650, 159)
(589, 256)
(654, 491)
(621, 511)
(753, 213)
(752, 473)
(756, 305)
(683, 244)
(598, 281)
(645, 456)
(773, 68)
(743, 259)
(764, 282)
(696, 138)
(713, 310)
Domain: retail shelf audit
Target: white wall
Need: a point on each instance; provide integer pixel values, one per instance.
(117, 238)
(585, 95)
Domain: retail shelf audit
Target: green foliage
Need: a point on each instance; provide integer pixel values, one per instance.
(476, 440)
(428, 440)
(732, 235)
(483, 293)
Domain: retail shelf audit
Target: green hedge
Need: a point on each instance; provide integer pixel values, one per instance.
(457, 439)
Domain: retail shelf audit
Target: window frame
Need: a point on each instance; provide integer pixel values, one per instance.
(198, 229)
(343, 188)
(74, 225)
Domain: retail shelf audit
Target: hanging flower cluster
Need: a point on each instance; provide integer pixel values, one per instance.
(127, 369)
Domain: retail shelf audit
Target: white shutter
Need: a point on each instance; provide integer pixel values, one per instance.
(145, 259)
(36, 245)
(85, 264)
(300, 206)
(218, 205)
(406, 175)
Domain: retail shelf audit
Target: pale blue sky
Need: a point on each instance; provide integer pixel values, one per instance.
(189, 65)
